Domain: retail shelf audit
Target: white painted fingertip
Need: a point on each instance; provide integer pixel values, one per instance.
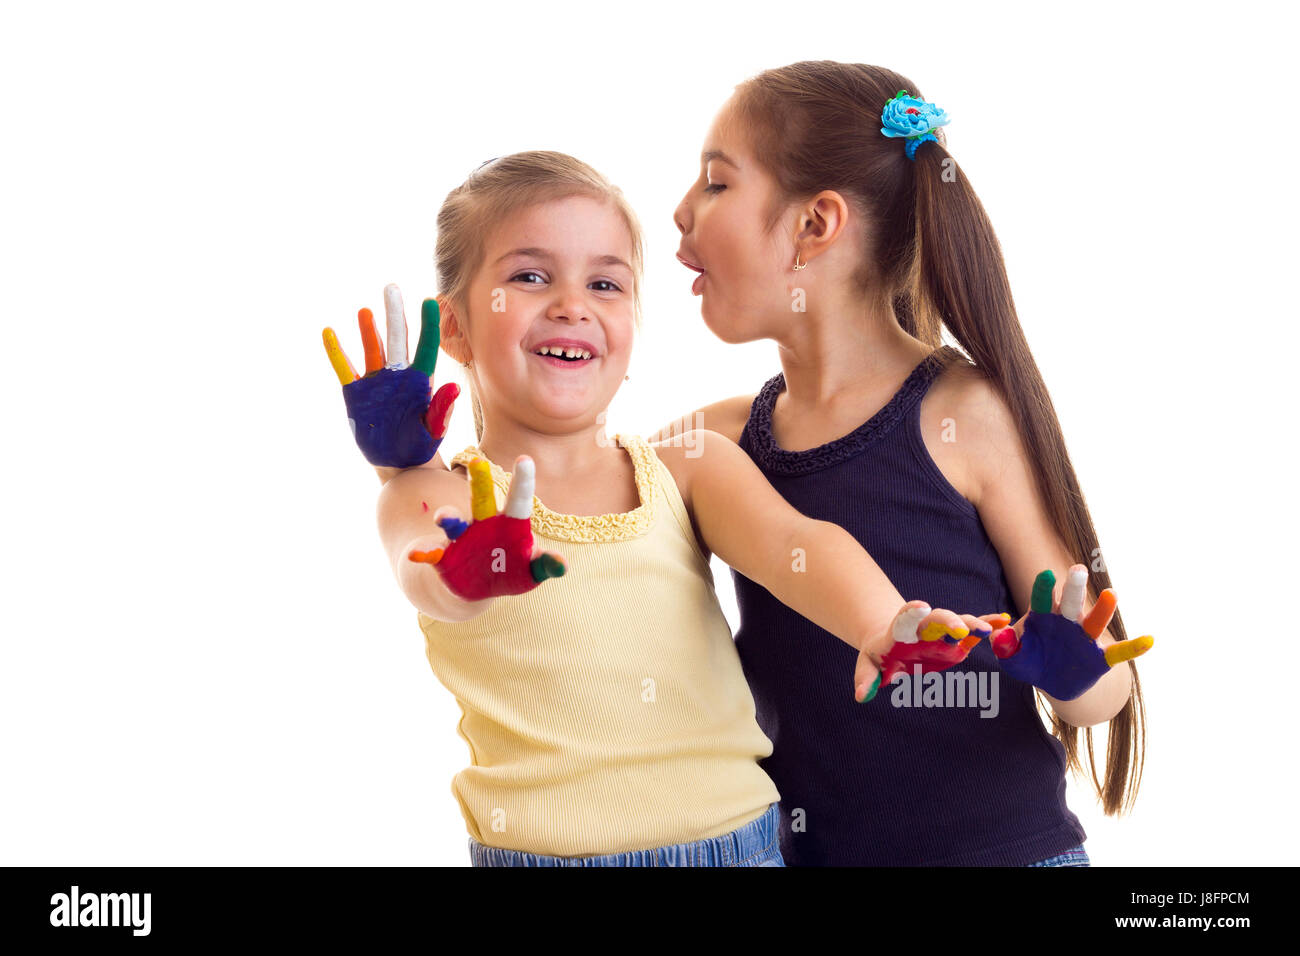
(1072, 595)
(396, 316)
(519, 500)
(906, 623)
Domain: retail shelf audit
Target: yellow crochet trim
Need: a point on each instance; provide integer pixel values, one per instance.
(612, 527)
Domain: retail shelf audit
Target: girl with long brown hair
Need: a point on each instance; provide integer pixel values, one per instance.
(855, 247)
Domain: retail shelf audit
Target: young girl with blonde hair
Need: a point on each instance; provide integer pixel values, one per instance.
(606, 711)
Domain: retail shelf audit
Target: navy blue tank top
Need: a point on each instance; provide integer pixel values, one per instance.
(949, 769)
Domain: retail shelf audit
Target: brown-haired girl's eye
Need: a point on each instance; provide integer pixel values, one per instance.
(714, 188)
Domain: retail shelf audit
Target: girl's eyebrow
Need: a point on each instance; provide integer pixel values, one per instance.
(533, 252)
(719, 155)
(611, 261)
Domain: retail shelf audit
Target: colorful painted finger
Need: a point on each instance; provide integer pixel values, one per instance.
(342, 367)
(1044, 585)
(938, 630)
(482, 493)
(426, 351)
(370, 339)
(519, 499)
(545, 566)
(453, 527)
(932, 631)
(907, 621)
(439, 413)
(870, 692)
(1005, 642)
(1122, 651)
(426, 557)
(396, 316)
(1099, 617)
(1072, 595)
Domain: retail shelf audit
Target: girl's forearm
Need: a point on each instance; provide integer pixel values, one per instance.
(386, 474)
(1102, 701)
(424, 587)
(824, 574)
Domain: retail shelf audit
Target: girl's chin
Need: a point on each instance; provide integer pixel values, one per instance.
(720, 325)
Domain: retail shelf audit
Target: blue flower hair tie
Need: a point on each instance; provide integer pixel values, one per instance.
(913, 119)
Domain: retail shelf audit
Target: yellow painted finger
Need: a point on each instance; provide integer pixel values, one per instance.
(935, 630)
(482, 494)
(342, 367)
(932, 631)
(1123, 651)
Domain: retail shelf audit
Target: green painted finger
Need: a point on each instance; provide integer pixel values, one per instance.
(544, 567)
(426, 353)
(1041, 599)
(871, 691)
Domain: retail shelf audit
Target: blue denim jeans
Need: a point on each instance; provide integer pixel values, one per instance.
(754, 844)
(1075, 857)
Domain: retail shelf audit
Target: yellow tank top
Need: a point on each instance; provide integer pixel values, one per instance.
(605, 710)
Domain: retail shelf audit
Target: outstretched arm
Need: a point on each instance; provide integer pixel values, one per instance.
(814, 567)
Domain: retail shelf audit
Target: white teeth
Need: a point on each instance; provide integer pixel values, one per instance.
(568, 353)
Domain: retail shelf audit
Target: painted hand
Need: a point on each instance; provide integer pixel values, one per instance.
(934, 639)
(389, 409)
(494, 554)
(1051, 648)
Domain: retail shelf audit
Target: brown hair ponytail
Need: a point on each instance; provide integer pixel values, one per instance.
(931, 250)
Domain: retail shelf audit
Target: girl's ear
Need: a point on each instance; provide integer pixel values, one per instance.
(452, 332)
(821, 221)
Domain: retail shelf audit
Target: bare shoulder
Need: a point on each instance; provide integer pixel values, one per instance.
(726, 417)
(701, 460)
(966, 424)
(686, 453)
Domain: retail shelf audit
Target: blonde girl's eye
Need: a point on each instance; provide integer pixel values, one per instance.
(613, 287)
(520, 275)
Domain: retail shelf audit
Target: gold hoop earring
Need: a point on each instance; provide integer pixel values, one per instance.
(797, 267)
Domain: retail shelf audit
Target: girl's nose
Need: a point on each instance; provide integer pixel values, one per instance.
(681, 216)
(569, 303)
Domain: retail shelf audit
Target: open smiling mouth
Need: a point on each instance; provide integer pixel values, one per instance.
(564, 358)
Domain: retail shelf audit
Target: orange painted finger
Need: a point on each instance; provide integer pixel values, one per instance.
(426, 557)
(1122, 651)
(342, 367)
(1100, 614)
(370, 339)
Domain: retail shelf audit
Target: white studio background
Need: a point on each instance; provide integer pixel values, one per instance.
(205, 657)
